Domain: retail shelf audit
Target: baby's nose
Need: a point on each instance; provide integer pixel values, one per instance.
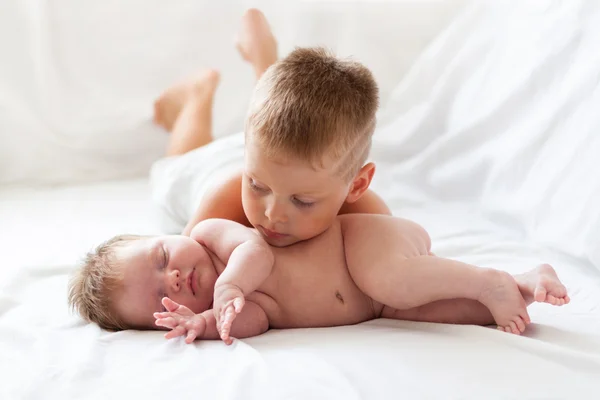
(174, 280)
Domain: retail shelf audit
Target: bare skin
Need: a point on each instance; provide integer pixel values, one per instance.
(540, 280)
(185, 110)
(331, 281)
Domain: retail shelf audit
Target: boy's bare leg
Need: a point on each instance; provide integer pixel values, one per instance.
(185, 110)
(540, 284)
(256, 42)
(170, 103)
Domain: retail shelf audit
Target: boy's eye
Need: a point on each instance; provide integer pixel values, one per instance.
(255, 187)
(301, 203)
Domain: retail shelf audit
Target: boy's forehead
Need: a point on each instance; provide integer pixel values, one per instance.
(258, 158)
(301, 176)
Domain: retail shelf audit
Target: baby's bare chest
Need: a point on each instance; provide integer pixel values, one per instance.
(311, 286)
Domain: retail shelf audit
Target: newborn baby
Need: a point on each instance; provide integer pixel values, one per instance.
(225, 281)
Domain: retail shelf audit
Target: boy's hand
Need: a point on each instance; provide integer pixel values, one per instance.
(181, 320)
(228, 303)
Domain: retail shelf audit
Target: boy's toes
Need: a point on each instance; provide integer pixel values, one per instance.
(520, 324)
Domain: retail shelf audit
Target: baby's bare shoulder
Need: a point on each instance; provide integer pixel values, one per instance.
(357, 228)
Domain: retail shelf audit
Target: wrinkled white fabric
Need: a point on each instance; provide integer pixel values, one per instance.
(502, 112)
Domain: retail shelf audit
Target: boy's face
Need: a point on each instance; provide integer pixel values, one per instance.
(173, 266)
(289, 200)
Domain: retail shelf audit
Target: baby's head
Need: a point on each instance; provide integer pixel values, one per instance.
(308, 136)
(122, 282)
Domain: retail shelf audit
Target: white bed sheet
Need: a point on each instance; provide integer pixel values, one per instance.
(48, 353)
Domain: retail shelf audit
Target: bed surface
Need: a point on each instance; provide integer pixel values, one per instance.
(48, 353)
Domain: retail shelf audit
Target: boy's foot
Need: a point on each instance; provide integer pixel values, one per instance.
(541, 284)
(256, 42)
(200, 87)
(501, 295)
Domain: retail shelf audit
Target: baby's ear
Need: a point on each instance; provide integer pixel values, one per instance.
(361, 182)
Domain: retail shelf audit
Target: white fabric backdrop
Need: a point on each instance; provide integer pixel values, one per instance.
(502, 112)
(78, 77)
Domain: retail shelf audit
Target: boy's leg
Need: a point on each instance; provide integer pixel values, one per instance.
(388, 262)
(540, 284)
(185, 110)
(256, 42)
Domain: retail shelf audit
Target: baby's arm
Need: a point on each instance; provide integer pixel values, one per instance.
(252, 321)
(222, 201)
(249, 261)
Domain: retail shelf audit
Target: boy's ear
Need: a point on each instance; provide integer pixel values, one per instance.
(361, 182)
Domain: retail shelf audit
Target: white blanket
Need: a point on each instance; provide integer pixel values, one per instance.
(78, 77)
(47, 353)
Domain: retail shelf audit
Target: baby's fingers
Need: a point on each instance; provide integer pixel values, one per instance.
(191, 336)
(170, 305)
(228, 315)
(224, 333)
(168, 322)
(178, 331)
(238, 304)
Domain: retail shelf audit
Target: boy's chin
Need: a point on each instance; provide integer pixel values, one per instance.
(280, 241)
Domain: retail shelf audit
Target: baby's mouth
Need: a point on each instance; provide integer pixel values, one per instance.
(190, 281)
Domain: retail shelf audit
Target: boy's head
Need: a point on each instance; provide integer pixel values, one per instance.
(308, 135)
(123, 281)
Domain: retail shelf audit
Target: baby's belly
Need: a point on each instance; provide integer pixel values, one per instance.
(322, 308)
(310, 286)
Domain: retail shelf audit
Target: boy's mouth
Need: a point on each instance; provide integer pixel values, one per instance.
(271, 234)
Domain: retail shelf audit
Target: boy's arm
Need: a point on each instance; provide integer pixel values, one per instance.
(222, 201)
(368, 203)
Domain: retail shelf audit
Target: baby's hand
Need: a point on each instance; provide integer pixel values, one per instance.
(228, 303)
(181, 320)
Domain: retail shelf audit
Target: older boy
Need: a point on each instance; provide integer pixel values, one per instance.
(308, 101)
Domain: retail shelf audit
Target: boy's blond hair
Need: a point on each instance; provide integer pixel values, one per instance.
(311, 105)
(95, 283)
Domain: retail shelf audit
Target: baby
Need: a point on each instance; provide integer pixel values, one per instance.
(226, 281)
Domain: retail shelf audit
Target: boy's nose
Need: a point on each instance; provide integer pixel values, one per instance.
(275, 213)
(174, 278)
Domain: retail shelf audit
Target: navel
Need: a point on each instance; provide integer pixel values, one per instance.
(338, 296)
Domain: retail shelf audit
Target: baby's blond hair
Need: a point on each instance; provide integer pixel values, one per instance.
(311, 105)
(94, 284)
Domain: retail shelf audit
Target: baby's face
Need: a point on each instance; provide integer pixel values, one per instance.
(173, 266)
(289, 201)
